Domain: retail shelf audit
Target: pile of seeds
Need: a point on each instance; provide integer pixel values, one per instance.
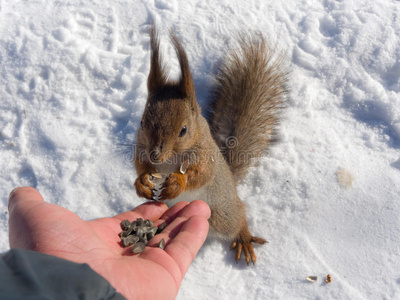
(138, 233)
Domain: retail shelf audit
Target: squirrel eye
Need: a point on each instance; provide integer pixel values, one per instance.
(183, 131)
(141, 125)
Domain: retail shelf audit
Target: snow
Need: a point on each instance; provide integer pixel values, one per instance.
(327, 196)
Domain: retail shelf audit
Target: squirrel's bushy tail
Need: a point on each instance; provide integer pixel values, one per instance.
(247, 99)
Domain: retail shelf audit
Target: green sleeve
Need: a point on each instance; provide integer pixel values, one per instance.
(26, 274)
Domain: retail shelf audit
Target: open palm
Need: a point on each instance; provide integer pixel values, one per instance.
(154, 273)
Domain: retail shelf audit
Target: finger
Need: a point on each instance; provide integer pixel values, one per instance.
(176, 216)
(186, 234)
(29, 213)
(167, 217)
(184, 247)
(148, 210)
(27, 194)
(173, 212)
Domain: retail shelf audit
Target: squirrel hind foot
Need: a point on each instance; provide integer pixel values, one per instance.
(247, 248)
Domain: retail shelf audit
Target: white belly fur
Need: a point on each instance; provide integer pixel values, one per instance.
(197, 194)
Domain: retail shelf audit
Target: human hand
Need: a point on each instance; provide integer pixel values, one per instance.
(154, 273)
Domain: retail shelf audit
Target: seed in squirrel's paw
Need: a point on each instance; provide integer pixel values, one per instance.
(156, 175)
(184, 166)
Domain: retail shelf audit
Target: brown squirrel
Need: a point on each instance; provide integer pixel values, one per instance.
(205, 160)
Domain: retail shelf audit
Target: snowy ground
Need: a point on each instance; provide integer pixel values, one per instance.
(327, 197)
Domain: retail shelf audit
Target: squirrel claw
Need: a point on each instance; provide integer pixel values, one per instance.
(233, 245)
(247, 249)
(173, 186)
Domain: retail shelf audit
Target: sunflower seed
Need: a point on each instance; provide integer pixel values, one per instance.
(130, 240)
(156, 175)
(125, 224)
(161, 227)
(126, 233)
(138, 247)
(184, 166)
(149, 235)
(148, 223)
(312, 278)
(153, 230)
(140, 232)
(134, 225)
(161, 244)
(139, 222)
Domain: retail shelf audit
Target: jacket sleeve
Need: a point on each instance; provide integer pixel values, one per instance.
(26, 274)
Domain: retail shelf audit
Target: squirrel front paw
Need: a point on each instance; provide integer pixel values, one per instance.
(244, 243)
(144, 187)
(173, 186)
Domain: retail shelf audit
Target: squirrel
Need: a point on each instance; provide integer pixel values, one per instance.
(205, 158)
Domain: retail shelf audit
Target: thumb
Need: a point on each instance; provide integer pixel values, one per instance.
(25, 196)
(21, 204)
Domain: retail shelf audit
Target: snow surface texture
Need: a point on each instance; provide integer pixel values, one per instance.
(327, 196)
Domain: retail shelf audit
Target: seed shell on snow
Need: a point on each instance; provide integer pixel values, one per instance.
(328, 279)
(312, 278)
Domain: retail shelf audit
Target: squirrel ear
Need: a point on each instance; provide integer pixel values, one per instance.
(157, 77)
(185, 84)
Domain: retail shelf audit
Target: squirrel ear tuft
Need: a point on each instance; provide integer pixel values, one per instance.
(185, 83)
(157, 76)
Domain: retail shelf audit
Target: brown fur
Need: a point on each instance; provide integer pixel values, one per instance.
(172, 106)
(246, 103)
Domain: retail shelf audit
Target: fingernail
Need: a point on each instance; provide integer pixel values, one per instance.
(12, 192)
(11, 195)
